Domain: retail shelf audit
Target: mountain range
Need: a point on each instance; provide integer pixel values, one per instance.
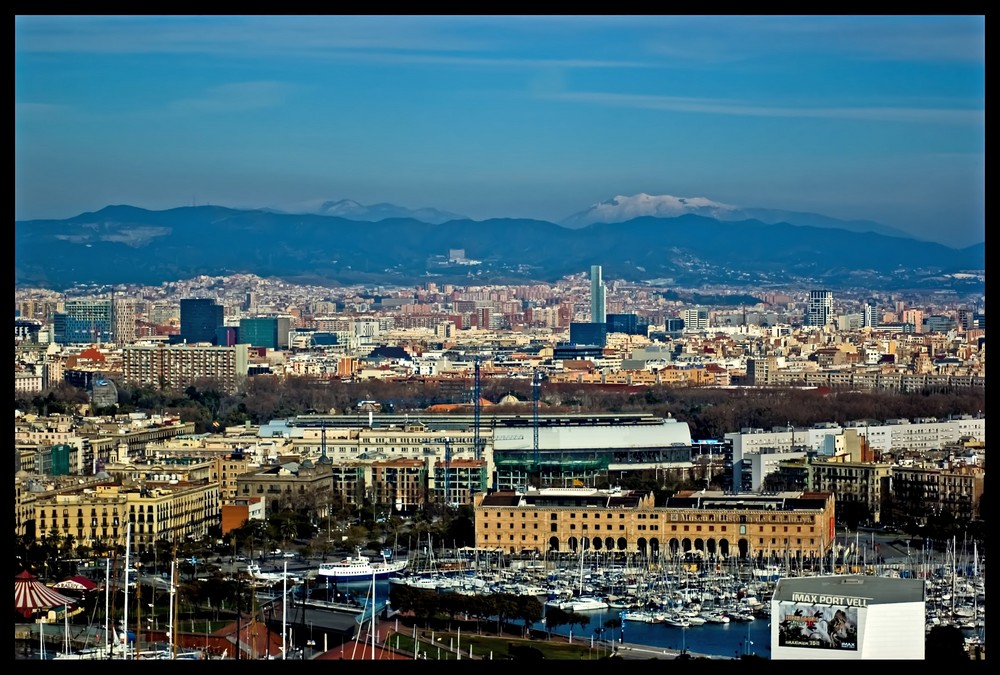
(623, 208)
(348, 208)
(126, 244)
(615, 210)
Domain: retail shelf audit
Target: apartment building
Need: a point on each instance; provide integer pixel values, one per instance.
(179, 366)
(97, 517)
(922, 491)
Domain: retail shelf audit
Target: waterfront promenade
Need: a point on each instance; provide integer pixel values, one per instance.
(394, 641)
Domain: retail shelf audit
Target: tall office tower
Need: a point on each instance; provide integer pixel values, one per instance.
(250, 302)
(916, 317)
(695, 319)
(597, 304)
(820, 310)
(966, 319)
(199, 319)
(260, 331)
(123, 321)
(869, 317)
(284, 328)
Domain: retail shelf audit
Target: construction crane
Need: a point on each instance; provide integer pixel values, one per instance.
(476, 394)
(536, 386)
(447, 470)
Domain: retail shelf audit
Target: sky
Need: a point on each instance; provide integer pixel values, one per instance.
(854, 117)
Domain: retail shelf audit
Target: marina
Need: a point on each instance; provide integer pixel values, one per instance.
(715, 608)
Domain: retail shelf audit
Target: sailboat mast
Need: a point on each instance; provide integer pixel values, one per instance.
(66, 648)
(171, 617)
(284, 610)
(128, 546)
(373, 615)
(107, 604)
(138, 617)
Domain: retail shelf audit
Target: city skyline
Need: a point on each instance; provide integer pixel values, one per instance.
(852, 117)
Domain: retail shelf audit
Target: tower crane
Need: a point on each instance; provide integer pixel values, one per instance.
(476, 394)
(536, 385)
(447, 470)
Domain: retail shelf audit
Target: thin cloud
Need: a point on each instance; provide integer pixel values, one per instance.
(35, 109)
(236, 97)
(724, 107)
(889, 38)
(382, 40)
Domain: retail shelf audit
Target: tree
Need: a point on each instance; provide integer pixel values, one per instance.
(555, 617)
(945, 643)
(530, 610)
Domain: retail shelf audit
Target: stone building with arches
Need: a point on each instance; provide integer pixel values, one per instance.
(709, 525)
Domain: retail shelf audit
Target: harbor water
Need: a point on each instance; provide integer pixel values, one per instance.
(728, 640)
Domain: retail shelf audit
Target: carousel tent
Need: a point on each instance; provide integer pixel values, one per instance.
(78, 583)
(31, 595)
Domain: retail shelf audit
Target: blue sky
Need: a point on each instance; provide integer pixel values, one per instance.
(855, 117)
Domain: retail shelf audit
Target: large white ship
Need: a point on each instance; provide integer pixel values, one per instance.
(358, 566)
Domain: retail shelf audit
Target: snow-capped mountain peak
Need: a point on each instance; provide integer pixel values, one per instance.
(621, 208)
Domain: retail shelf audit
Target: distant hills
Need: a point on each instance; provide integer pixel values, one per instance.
(624, 208)
(125, 244)
(348, 208)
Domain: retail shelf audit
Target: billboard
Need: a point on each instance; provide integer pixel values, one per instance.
(816, 621)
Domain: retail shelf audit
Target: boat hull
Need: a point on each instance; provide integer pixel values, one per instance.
(356, 573)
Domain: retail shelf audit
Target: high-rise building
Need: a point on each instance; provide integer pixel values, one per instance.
(261, 331)
(588, 334)
(250, 302)
(630, 324)
(695, 318)
(597, 303)
(869, 320)
(199, 319)
(123, 321)
(178, 366)
(820, 309)
(966, 319)
(83, 321)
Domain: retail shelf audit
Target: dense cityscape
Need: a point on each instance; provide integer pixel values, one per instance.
(233, 418)
(500, 337)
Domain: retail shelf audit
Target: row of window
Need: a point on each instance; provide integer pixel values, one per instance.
(673, 528)
(655, 516)
(760, 541)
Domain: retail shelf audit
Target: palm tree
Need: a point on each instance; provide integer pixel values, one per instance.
(287, 531)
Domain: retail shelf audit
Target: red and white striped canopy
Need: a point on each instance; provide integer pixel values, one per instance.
(77, 583)
(31, 594)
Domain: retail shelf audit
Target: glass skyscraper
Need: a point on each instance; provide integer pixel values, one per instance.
(200, 317)
(259, 331)
(820, 309)
(597, 304)
(83, 321)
